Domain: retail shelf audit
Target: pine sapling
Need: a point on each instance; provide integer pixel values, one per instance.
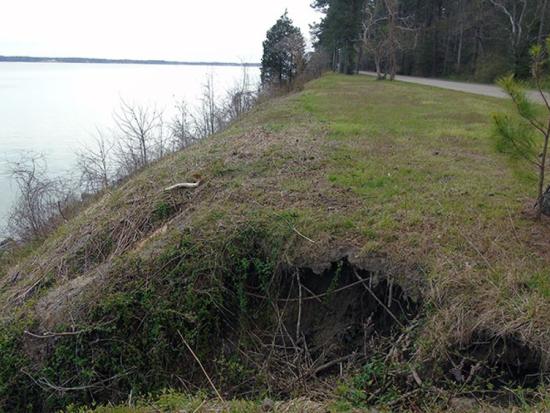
(527, 137)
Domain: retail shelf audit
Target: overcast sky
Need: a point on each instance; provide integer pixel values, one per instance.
(193, 30)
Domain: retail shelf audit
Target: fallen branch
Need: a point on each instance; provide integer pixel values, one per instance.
(312, 297)
(302, 235)
(416, 377)
(299, 306)
(200, 406)
(202, 367)
(49, 334)
(29, 290)
(45, 384)
(332, 363)
(183, 185)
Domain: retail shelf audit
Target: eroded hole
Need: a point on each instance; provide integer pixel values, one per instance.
(502, 362)
(343, 310)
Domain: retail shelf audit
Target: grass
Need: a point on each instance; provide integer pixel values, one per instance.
(171, 401)
(377, 169)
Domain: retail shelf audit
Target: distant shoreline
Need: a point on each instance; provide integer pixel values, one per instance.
(29, 59)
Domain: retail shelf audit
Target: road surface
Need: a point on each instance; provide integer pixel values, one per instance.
(476, 88)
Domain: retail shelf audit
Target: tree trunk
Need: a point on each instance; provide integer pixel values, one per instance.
(378, 67)
(447, 52)
(459, 51)
(359, 58)
(391, 7)
(541, 23)
(460, 38)
(542, 172)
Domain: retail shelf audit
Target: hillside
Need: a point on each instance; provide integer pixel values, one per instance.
(360, 240)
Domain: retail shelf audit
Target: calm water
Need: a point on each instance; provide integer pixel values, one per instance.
(53, 108)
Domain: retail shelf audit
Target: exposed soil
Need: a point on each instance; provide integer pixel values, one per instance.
(341, 310)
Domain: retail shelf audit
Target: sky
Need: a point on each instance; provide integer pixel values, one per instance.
(191, 30)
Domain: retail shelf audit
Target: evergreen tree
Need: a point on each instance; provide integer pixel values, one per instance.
(284, 50)
(339, 32)
(527, 136)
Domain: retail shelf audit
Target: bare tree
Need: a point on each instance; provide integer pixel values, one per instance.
(42, 200)
(209, 119)
(515, 12)
(392, 39)
(240, 98)
(95, 164)
(318, 63)
(460, 22)
(181, 127)
(161, 142)
(137, 127)
(384, 34)
(374, 38)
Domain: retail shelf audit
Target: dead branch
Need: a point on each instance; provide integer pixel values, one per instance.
(392, 315)
(312, 297)
(50, 334)
(202, 367)
(44, 383)
(298, 321)
(186, 185)
(416, 377)
(332, 363)
(302, 235)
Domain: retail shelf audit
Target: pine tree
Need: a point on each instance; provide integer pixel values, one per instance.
(528, 135)
(339, 33)
(284, 50)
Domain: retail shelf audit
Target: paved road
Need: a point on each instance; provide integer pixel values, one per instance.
(476, 88)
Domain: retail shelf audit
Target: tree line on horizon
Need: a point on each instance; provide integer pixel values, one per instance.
(473, 39)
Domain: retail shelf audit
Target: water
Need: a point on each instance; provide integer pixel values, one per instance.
(55, 108)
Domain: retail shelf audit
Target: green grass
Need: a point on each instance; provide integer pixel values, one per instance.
(170, 401)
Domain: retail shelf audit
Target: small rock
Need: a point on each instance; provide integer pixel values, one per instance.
(267, 405)
(462, 404)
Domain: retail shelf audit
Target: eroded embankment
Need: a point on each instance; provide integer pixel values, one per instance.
(257, 325)
(323, 249)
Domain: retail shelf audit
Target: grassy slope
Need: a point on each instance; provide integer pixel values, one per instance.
(428, 189)
(381, 169)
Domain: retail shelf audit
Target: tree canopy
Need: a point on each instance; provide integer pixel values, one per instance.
(479, 39)
(339, 31)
